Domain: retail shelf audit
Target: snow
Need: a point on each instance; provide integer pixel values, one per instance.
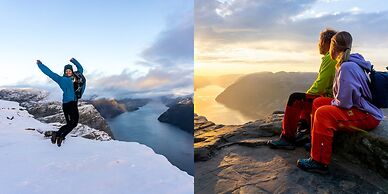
(83, 130)
(19, 94)
(29, 163)
(88, 107)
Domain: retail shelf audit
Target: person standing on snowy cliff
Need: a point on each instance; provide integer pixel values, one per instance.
(72, 91)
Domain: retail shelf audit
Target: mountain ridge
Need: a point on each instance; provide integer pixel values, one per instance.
(258, 94)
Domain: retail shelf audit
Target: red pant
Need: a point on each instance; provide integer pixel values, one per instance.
(298, 108)
(327, 119)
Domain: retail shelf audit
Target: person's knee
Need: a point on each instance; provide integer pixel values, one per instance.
(317, 101)
(321, 101)
(323, 112)
(295, 97)
(323, 118)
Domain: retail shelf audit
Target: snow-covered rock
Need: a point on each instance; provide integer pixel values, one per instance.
(23, 94)
(29, 163)
(38, 104)
(85, 131)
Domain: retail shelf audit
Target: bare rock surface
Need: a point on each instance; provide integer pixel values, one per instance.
(235, 159)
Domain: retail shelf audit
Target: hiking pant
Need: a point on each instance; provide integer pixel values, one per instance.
(298, 108)
(70, 110)
(327, 119)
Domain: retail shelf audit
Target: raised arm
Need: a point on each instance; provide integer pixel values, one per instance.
(48, 72)
(78, 65)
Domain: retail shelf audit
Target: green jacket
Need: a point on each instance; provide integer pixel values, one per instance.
(323, 85)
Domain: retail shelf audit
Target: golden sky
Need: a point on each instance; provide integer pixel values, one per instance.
(252, 36)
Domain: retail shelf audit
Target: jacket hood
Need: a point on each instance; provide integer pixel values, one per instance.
(359, 59)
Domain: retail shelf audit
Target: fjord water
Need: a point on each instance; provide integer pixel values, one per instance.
(206, 105)
(143, 126)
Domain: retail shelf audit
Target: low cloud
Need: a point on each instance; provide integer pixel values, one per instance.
(156, 82)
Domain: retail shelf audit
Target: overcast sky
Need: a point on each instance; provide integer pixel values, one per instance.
(127, 48)
(245, 36)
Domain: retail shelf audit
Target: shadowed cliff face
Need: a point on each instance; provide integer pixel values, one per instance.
(110, 108)
(257, 95)
(180, 113)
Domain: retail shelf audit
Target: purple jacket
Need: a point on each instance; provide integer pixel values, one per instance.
(351, 87)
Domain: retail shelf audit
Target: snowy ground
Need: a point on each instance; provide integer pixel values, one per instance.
(29, 163)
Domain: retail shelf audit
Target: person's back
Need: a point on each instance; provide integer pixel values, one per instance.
(356, 93)
(323, 84)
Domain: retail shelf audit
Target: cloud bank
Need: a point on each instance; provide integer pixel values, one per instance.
(169, 60)
(254, 27)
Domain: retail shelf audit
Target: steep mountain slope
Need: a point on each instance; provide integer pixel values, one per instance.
(180, 114)
(257, 95)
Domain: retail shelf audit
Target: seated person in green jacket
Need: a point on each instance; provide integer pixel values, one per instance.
(296, 122)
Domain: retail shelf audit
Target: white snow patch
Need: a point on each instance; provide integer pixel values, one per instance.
(30, 164)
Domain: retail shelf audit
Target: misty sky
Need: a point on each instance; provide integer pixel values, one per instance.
(127, 48)
(246, 36)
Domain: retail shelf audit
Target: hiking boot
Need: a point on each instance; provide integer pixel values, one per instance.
(48, 133)
(302, 137)
(311, 165)
(53, 137)
(281, 143)
(302, 133)
(59, 141)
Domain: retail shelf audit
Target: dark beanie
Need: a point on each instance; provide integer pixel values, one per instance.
(68, 66)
